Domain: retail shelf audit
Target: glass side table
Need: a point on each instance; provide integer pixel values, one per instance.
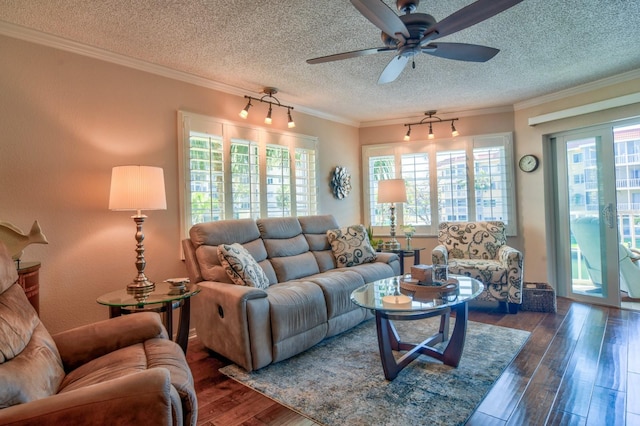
(163, 299)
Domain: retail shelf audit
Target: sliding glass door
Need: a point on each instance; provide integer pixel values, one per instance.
(598, 209)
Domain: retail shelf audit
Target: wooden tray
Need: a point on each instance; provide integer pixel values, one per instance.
(429, 292)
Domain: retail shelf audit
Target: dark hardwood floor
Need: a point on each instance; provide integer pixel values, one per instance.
(580, 366)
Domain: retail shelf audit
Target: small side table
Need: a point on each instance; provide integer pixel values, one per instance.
(164, 299)
(29, 280)
(402, 253)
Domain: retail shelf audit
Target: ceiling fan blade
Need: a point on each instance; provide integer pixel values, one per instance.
(393, 69)
(470, 15)
(347, 55)
(381, 16)
(461, 51)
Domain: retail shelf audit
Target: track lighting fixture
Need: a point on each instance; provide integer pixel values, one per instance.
(430, 119)
(268, 98)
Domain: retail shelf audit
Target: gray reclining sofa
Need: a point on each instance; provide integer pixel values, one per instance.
(307, 299)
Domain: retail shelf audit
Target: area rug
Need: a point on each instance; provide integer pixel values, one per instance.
(340, 381)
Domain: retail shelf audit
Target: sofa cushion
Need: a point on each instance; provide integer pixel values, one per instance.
(153, 353)
(26, 346)
(241, 267)
(351, 246)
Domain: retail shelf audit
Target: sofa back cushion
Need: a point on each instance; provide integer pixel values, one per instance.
(315, 230)
(206, 237)
(472, 240)
(25, 346)
(287, 248)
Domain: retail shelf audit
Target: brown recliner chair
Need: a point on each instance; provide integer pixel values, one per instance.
(119, 371)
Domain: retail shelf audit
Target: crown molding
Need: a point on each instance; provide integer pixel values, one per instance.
(49, 40)
(578, 90)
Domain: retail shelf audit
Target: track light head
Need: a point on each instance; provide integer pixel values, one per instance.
(267, 119)
(454, 132)
(245, 112)
(407, 137)
(290, 124)
(430, 136)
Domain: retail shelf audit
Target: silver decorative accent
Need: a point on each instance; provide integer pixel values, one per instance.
(341, 182)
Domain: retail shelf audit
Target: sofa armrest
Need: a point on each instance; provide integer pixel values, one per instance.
(139, 398)
(386, 257)
(82, 344)
(439, 255)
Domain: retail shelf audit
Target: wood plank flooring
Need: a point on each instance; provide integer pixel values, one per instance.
(581, 366)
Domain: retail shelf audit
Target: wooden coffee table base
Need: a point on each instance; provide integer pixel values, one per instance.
(389, 340)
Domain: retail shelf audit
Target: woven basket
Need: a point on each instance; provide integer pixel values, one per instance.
(538, 297)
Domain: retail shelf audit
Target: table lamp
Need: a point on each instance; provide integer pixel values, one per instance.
(138, 188)
(392, 191)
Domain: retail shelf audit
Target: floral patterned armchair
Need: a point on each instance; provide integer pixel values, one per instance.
(480, 250)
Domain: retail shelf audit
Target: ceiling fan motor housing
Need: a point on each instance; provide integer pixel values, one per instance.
(417, 24)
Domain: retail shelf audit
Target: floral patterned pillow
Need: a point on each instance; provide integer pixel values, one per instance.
(351, 246)
(241, 267)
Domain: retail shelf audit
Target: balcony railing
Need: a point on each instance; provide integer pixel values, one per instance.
(627, 183)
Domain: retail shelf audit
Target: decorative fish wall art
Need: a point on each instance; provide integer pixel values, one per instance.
(16, 240)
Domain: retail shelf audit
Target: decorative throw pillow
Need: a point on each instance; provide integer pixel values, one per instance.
(351, 246)
(241, 267)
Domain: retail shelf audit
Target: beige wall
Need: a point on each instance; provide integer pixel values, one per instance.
(65, 121)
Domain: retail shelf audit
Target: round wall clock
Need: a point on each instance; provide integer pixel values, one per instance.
(528, 163)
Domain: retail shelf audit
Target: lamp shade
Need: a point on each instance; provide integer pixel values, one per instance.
(392, 191)
(137, 188)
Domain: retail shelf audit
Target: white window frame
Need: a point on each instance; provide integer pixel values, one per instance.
(431, 148)
(233, 131)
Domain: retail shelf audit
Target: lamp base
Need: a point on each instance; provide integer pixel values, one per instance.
(141, 286)
(392, 245)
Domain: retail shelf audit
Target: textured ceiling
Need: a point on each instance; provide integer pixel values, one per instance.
(545, 46)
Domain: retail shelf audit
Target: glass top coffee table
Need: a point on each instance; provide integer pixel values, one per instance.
(386, 298)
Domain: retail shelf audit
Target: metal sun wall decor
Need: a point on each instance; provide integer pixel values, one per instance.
(341, 182)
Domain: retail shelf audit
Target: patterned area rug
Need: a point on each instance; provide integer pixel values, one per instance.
(340, 381)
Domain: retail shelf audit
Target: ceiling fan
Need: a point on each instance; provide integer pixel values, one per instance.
(413, 33)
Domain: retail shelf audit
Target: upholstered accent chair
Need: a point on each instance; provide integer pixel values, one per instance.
(480, 250)
(119, 371)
